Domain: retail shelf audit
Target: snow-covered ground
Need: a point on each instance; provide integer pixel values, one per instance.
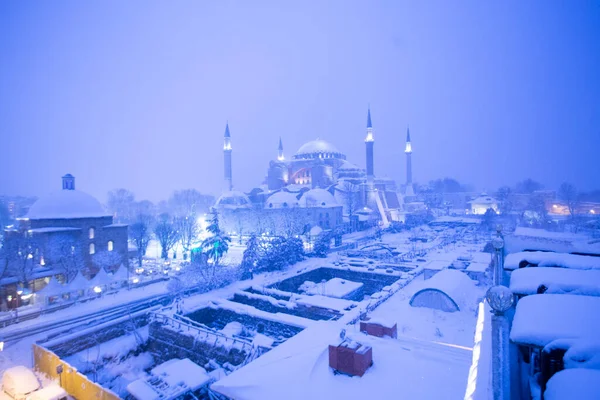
(428, 324)
(435, 343)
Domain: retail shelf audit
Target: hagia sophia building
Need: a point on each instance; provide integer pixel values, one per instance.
(316, 189)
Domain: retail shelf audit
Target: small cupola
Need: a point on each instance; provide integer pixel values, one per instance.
(68, 182)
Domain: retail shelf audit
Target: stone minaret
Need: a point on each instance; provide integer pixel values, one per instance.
(369, 142)
(408, 152)
(280, 156)
(227, 158)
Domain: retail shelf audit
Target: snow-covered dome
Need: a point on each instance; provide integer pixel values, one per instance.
(318, 198)
(66, 204)
(233, 199)
(318, 149)
(348, 166)
(282, 200)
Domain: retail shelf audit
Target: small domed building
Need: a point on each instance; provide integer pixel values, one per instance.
(77, 218)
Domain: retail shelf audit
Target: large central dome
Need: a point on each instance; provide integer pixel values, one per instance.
(66, 204)
(318, 149)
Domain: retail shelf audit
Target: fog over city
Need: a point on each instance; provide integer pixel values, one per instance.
(299, 200)
(137, 94)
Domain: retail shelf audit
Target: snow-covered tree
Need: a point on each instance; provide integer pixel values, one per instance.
(251, 257)
(489, 218)
(568, 193)
(322, 244)
(109, 260)
(140, 233)
(217, 244)
(166, 234)
(505, 199)
(63, 252)
(120, 203)
(351, 200)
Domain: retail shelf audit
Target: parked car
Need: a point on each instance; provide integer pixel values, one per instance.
(20, 383)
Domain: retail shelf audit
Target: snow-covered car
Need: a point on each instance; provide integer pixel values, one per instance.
(20, 383)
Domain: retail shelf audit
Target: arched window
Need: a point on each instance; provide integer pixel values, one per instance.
(111, 245)
(92, 233)
(92, 248)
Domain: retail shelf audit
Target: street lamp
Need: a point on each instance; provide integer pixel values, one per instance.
(500, 298)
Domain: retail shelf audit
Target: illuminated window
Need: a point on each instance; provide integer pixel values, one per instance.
(92, 248)
(110, 245)
(92, 233)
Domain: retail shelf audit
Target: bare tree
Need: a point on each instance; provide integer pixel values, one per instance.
(290, 222)
(188, 229)
(120, 203)
(568, 193)
(350, 197)
(140, 233)
(21, 249)
(189, 202)
(109, 260)
(166, 234)
(65, 253)
(504, 198)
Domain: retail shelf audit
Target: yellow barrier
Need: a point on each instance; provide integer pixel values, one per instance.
(75, 383)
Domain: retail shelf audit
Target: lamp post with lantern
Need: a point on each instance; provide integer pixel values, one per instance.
(501, 299)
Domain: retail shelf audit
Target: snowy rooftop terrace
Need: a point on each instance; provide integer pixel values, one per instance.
(542, 318)
(299, 369)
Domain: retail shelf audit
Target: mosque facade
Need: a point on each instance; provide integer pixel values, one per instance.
(316, 187)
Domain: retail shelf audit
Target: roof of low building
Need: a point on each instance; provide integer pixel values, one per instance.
(67, 204)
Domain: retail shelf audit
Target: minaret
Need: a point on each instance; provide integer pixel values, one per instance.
(280, 156)
(369, 142)
(227, 158)
(408, 152)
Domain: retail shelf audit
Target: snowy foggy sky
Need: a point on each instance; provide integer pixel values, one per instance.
(136, 94)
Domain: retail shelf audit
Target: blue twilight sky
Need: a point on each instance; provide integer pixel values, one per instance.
(136, 94)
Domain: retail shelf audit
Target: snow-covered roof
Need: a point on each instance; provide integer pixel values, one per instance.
(484, 199)
(66, 204)
(456, 284)
(556, 280)
(329, 303)
(282, 200)
(544, 234)
(315, 230)
(233, 199)
(53, 230)
(348, 166)
(299, 369)
(542, 318)
(318, 198)
(549, 259)
(577, 383)
(317, 146)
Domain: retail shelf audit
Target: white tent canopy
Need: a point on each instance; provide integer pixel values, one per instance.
(120, 274)
(101, 279)
(79, 283)
(53, 288)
